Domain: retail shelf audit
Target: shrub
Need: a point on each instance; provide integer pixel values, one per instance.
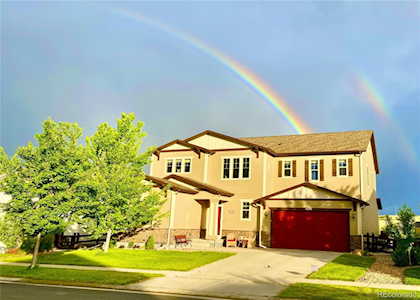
(415, 256)
(150, 243)
(406, 217)
(400, 254)
(47, 243)
(130, 244)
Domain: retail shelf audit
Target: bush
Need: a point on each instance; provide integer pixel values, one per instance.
(10, 233)
(47, 243)
(150, 243)
(400, 256)
(415, 256)
(130, 244)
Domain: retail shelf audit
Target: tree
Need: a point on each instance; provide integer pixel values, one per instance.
(406, 217)
(4, 161)
(116, 197)
(43, 181)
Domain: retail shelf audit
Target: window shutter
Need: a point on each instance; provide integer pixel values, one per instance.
(350, 166)
(280, 168)
(334, 167)
(306, 170)
(321, 169)
(294, 168)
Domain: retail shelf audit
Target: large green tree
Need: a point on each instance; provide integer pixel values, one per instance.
(43, 180)
(117, 198)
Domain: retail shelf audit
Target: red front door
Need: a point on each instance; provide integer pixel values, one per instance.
(219, 220)
(312, 230)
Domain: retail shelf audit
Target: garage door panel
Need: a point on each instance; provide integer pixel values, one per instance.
(312, 230)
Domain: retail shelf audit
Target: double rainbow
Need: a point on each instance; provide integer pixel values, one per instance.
(250, 78)
(371, 95)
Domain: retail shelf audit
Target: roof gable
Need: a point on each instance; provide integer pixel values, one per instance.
(307, 190)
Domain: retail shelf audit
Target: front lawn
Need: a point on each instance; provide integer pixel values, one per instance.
(69, 276)
(412, 276)
(340, 292)
(124, 258)
(347, 267)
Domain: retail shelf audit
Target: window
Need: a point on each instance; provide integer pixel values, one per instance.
(342, 167)
(226, 168)
(169, 164)
(236, 168)
(287, 169)
(187, 165)
(314, 170)
(178, 166)
(246, 210)
(245, 167)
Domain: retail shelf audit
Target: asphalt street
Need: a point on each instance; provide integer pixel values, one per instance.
(13, 291)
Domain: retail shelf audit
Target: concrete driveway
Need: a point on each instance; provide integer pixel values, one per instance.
(250, 274)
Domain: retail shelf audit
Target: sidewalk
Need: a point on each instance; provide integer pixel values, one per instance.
(363, 284)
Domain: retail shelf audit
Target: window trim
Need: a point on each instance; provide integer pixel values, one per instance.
(338, 166)
(284, 169)
(241, 162)
(241, 211)
(318, 169)
(174, 165)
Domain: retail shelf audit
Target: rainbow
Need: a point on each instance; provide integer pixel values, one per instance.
(252, 80)
(371, 95)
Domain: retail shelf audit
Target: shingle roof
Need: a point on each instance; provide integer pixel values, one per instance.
(161, 182)
(202, 186)
(348, 141)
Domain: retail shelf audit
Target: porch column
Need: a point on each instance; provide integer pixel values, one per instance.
(211, 230)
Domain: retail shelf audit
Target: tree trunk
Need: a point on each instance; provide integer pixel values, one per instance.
(36, 250)
(107, 241)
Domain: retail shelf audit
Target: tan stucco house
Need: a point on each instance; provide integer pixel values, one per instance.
(309, 191)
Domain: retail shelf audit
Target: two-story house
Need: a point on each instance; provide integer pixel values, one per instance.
(309, 191)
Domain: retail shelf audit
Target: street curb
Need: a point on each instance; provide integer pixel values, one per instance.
(121, 289)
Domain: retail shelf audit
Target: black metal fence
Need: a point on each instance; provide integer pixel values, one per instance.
(378, 243)
(76, 240)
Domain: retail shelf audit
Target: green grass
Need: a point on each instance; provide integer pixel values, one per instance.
(412, 276)
(87, 277)
(340, 292)
(124, 258)
(347, 267)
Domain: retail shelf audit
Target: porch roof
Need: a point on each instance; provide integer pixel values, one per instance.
(161, 182)
(199, 185)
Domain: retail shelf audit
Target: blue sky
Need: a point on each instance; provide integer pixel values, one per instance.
(85, 63)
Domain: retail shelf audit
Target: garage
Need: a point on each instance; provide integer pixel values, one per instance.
(326, 230)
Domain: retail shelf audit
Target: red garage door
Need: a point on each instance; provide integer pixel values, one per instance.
(312, 230)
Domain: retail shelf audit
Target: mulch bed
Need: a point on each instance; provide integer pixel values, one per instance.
(383, 270)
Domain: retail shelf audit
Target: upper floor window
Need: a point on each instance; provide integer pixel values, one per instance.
(178, 165)
(287, 168)
(314, 170)
(245, 210)
(342, 167)
(236, 168)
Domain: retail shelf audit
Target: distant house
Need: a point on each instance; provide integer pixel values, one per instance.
(310, 191)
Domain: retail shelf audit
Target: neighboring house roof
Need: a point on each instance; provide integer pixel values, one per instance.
(313, 186)
(161, 182)
(199, 185)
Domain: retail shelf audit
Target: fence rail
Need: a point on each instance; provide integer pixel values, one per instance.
(76, 241)
(378, 243)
